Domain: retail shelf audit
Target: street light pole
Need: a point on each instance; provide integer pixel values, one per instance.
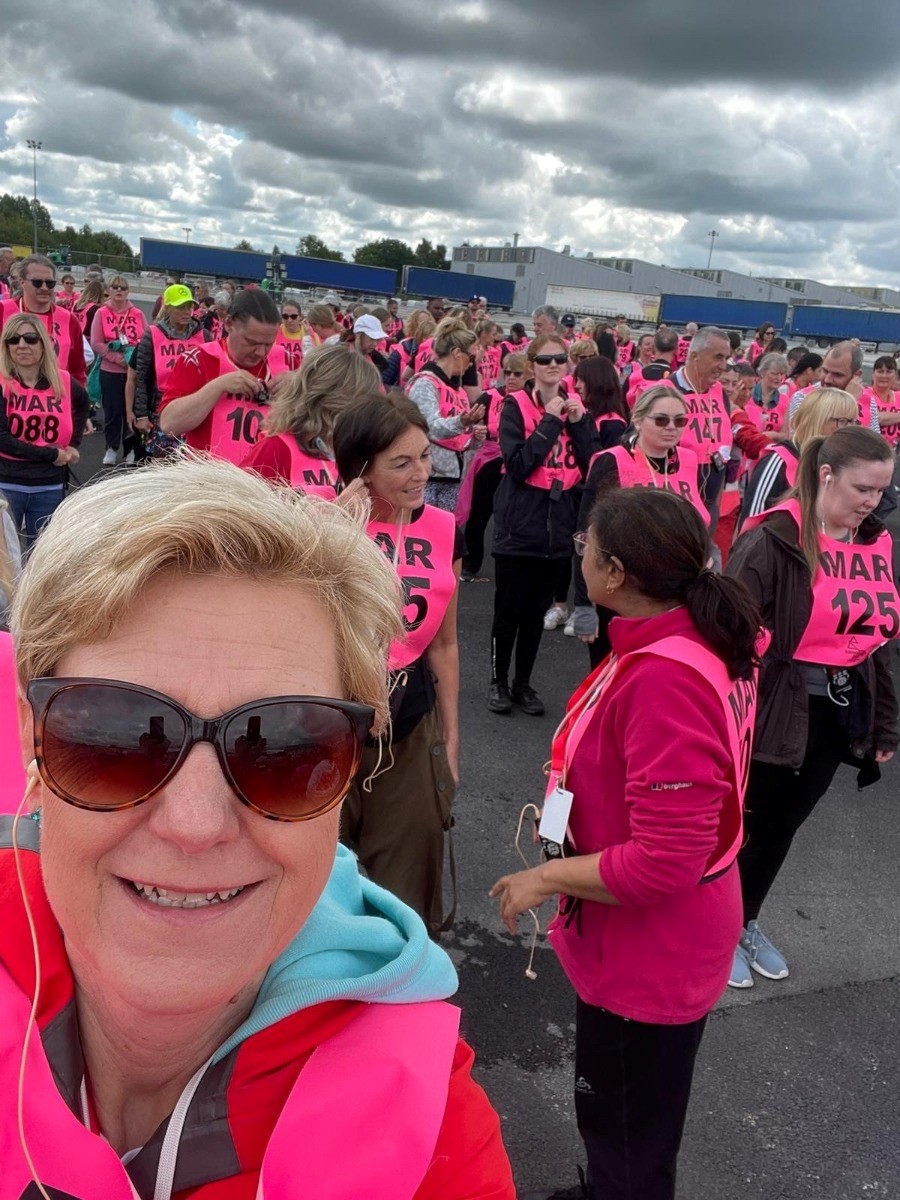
(187, 232)
(34, 146)
(712, 235)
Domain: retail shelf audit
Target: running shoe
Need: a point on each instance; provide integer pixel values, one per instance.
(765, 959)
(528, 700)
(499, 700)
(110, 458)
(554, 617)
(569, 630)
(741, 976)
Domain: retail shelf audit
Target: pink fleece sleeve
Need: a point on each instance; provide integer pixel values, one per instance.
(673, 738)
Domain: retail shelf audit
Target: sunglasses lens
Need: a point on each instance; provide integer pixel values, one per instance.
(291, 759)
(104, 746)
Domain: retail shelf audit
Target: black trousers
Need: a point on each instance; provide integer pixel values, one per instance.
(779, 799)
(486, 483)
(112, 395)
(522, 594)
(563, 567)
(632, 1087)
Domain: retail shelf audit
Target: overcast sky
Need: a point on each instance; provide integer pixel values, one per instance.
(629, 127)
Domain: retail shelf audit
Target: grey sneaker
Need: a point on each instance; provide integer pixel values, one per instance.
(741, 976)
(765, 959)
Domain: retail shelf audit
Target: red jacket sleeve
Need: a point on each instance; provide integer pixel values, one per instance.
(271, 458)
(470, 1161)
(77, 367)
(746, 436)
(672, 731)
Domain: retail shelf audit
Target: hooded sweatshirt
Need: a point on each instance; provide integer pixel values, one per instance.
(360, 946)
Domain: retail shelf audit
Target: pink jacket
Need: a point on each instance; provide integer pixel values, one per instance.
(650, 777)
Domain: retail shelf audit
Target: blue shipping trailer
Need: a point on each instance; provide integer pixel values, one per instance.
(188, 258)
(729, 314)
(837, 324)
(454, 285)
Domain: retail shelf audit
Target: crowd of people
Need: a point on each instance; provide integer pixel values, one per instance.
(709, 522)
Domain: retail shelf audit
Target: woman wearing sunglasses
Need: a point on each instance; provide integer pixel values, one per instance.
(296, 446)
(398, 816)
(439, 390)
(116, 330)
(475, 502)
(761, 343)
(546, 447)
(43, 413)
(644, 874)
(823, 411)
(222, 985)
(820, 565)
(648, 457)
(287, 353)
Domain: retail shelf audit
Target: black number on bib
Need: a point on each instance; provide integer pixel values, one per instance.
(862, 625)
(420, 602)
(570, 460)
(51, 428)
(245, 423)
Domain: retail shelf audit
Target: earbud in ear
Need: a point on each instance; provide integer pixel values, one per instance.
(828, 479)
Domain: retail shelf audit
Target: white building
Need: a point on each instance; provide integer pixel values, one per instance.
(810, 291)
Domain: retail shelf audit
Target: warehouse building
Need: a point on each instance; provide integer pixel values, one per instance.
(810, 291)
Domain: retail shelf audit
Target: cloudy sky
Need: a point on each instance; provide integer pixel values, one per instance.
(626, 127)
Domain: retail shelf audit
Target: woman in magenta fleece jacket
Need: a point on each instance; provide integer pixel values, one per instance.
(654, 750)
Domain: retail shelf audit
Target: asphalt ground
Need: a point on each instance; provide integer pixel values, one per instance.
(797, 1088)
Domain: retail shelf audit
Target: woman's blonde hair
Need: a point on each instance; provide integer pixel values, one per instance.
(452, 334)
(194, 515)
(819, 406)
(583, 348)
(118, 280)
(419, 325)
(92, 294)
(48, 367)
(623, 333)
(645, 401)
(321, 314)
(308, 403)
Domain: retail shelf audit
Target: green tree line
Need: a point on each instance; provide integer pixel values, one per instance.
(17, 229)
(385, 252)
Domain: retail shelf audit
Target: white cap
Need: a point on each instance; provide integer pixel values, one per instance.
(369, 325)
(331, 298)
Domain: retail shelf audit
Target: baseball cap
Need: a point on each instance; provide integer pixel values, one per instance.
(474, 300)
(369, 325)
(176, 295)
(568, 320)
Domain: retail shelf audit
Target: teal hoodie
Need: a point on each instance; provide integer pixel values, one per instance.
(359, 943)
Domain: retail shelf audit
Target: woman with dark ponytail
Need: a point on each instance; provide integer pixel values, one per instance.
(820, 567)
(641, 850)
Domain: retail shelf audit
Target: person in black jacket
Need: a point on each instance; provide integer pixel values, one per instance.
(826, 695)
(546, 444)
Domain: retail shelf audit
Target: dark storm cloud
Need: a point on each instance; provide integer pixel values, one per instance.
(613, 127)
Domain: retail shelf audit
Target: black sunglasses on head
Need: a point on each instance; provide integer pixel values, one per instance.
(104, 745)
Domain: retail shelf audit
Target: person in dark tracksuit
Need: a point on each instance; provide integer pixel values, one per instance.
(546, 446)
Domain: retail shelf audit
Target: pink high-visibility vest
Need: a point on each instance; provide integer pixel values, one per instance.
(451, 402)
(127, 326)
(424, 563)
(57, 322)
(380, 1085)
(709, 425)
(286, 354)
(167, 351)
(889, 408)
(560, 462)
(855, 603)
(236, 420)
(738, 700)
(36, 416)
(635, 471)
(310, 474)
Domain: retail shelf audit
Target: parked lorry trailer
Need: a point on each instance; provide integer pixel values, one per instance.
(423, 282)
(742, 315)
(635, 307)
(246, 266)
(829, 325)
